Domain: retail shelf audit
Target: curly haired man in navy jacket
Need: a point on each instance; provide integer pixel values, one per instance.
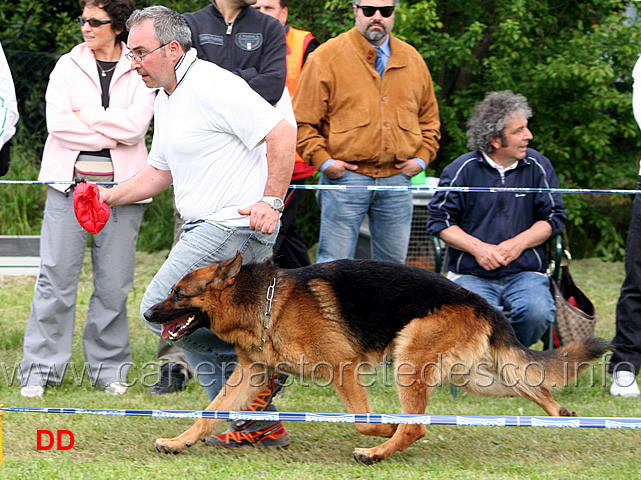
(497, 238)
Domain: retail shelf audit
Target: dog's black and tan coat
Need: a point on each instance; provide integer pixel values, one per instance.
(339, 314)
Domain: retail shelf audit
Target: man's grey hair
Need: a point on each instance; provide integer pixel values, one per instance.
(490, 116)
(358, 2)
(168, 23)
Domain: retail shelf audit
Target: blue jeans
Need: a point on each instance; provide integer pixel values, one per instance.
(343, 211)
(526, 294)
(202, 243)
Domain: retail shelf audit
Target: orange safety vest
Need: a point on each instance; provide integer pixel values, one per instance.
(297, 42)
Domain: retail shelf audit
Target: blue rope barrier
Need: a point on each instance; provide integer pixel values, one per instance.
(414, 188)
(48, 182)
(424, 188)
(454, 420)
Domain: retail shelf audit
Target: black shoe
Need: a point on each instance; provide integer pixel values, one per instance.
(173, 377)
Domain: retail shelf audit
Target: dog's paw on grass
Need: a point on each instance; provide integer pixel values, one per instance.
(166, 445)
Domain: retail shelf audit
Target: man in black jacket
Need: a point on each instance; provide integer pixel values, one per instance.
(240, 39)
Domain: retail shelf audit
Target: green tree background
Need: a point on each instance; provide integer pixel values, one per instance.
(572, 59)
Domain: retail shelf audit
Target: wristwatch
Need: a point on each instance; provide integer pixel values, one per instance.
(274, 202)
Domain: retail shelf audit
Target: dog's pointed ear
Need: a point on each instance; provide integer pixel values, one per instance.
(229, 269)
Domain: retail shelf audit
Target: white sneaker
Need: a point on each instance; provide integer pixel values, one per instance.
(624, 384)
(116, 388)
(32, 391)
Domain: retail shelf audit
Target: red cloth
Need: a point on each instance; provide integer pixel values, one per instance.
(92, 214)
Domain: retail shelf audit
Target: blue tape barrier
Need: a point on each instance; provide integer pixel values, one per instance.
(416, 188)
(424, 188)
(456, 420)
(48, 182)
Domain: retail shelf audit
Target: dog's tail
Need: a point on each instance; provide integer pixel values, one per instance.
(555, 369)
(509, 368)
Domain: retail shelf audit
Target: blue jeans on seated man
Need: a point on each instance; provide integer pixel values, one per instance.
(526, 295)
(343, 211)
(202, 243)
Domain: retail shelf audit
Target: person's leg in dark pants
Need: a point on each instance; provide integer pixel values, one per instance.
(626, 361)
(290, 250)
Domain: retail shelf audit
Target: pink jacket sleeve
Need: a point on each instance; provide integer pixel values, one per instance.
(76, 118)
(126, 125)
(63, 124)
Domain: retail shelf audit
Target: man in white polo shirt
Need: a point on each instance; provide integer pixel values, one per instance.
(229, 155)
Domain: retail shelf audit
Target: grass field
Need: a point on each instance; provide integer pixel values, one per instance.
(112, 447)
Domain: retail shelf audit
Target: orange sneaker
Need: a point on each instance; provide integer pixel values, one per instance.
(264, 399)
(273, 436)
(262, 403)
(261, 433)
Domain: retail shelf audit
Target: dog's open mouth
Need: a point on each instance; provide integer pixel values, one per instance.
(180, 328)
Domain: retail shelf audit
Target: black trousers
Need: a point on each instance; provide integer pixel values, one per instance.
(290, 250)
(5, 158)
(627, 340)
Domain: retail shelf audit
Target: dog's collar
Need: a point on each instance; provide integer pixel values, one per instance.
(268, 314)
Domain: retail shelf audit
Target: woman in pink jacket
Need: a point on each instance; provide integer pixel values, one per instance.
(98, 112)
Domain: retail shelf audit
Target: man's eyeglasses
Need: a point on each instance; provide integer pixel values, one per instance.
(93, 22)
(139, 56)
(369, 11)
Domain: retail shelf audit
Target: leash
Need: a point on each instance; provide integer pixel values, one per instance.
(268, 314)
(288, 197)
(72, 187)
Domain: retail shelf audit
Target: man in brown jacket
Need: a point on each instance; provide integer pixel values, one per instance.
(367, 117)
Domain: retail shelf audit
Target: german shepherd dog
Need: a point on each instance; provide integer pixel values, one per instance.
(340, 314)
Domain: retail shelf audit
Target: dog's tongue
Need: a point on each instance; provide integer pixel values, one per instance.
(172, 328)
(167, 329)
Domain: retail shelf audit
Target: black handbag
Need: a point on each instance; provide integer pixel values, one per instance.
(575, 313)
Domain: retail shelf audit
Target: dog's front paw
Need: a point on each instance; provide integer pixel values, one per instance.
(364, 455)
(170, 445)
(566, 413)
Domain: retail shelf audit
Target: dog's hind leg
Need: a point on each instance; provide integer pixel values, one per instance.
(354, 397)
(413, 394)
(547, 403)
(237, 393)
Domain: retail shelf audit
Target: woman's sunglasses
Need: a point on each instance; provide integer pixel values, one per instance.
(369, 11)
(92, 22)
